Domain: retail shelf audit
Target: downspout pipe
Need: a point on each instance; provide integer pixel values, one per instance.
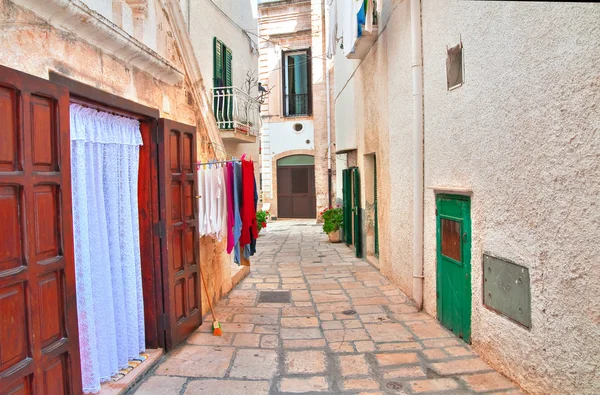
(417, 93)
(329, 176)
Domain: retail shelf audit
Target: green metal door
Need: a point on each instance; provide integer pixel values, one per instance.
(454, 264)
(347, 209)
(356, 212)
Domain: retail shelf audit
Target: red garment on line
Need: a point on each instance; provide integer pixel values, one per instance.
(249, 225)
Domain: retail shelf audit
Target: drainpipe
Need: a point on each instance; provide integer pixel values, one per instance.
(417, 77)
(329, 178)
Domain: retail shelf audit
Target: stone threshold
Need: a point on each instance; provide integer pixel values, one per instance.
(132, 378)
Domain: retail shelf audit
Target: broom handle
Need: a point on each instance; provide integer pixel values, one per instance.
(207, 297)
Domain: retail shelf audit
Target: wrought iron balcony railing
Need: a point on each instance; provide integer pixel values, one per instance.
(236, 110)
(296, 104)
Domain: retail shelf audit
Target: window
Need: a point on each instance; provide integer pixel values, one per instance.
(297, 93)
(454, 67)
(222, 56)
(222, 77)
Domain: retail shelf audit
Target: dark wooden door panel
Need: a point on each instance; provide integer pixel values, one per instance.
(180, 246)
(39, 346)
(296, 192)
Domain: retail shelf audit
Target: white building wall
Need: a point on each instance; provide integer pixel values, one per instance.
(208, 22)
(523, 133)
(285, 138)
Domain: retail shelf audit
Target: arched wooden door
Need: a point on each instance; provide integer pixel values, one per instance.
(296, 196)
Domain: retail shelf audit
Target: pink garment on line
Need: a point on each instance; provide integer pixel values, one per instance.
(230, 215)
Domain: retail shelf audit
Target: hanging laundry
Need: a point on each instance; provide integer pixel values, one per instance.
(249, 227)
(227, 206)
(201, 205)
(250, 249)
(230, 206)
(237, 196)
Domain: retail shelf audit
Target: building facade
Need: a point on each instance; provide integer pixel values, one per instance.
(296, 166)
(470, 134)
(225, 39)
(128, 62)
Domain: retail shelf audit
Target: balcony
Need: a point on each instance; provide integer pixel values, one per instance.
(297, 104)
(237, 114)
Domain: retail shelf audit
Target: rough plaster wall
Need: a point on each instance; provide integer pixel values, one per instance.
(398, 203)
(65, 53)
(207, 22)
(524, 134)
(382, 124)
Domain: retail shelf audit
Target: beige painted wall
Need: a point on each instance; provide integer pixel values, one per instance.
(207, 22)
(286, 26)
(524, 134)
(37, 48)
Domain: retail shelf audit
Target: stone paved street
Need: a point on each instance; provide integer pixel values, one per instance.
(314, 343)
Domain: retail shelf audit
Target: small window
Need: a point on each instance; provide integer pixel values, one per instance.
(451, 245)
(297, 93)
(297, 160)
(298, 127)
(454, 67)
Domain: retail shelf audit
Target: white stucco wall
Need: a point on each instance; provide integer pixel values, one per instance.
(524, 134)
(208, 22)
(284, 138)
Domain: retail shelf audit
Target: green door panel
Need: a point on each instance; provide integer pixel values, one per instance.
(453, 272)
(347, 206)
(356, 212)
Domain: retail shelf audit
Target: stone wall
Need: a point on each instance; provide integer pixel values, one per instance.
(36, 47)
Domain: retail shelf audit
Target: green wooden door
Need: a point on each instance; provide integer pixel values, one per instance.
(454, 264)
(356, 212)
(347, 209)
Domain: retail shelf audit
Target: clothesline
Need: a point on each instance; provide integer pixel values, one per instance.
(220, 161)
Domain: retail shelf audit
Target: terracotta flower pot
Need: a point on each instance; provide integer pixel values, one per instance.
(334, 237)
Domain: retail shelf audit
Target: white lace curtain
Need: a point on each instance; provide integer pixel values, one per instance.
(110, 310)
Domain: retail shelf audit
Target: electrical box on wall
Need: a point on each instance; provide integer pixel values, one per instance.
(506, 289)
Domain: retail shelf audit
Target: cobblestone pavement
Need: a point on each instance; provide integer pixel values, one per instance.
(347, 330)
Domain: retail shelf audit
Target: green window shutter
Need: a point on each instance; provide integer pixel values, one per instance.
(375, 207)
(228, 71)
(217, 63)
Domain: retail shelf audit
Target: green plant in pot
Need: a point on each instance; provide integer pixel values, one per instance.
(333, 219)
(261, 219)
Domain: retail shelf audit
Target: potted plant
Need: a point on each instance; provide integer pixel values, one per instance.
(333, 219)
(261, 219)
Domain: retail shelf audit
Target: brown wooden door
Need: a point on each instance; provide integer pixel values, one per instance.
(296, 192)
(180, 250)
(39, 347)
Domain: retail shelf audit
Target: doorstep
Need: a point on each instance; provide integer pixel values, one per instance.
(131, 378)
(238, 273)
(374, 261)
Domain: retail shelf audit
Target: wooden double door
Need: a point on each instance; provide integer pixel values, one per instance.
(296, 196)
(39, 345)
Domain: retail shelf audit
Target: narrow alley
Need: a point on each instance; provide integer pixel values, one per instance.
(346, 329)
